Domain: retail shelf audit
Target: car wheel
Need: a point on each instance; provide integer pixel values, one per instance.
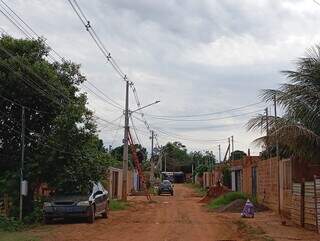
(159, 193)
(92, 215)
(171, 193)
(105, 213)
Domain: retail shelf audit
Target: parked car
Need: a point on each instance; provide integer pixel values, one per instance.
(165, 187)
(64, 204)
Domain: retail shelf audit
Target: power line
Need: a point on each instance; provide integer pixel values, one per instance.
(208, 119)
(89, 28)
(20, 105)
(174, 135)
(29, 36)
(206, 114)
(34, 85)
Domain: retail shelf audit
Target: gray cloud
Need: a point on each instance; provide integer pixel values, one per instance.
(194, 56)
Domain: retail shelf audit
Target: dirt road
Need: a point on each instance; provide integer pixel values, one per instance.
(168, 218)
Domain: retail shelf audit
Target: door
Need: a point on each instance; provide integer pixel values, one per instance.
(254, 181)
(115, 177)
(238, 181)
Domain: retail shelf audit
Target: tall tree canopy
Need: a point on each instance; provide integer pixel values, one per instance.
(298, 129)
(62, 147)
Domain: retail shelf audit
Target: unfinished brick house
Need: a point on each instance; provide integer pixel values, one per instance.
(286, 186)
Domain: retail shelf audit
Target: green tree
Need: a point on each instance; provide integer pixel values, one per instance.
(237, 155)
(62, 146)
(298, 129)
(117, 154)
(176, 155)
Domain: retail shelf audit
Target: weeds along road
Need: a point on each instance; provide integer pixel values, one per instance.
(168, 218)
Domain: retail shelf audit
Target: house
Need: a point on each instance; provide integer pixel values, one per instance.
(114, 182)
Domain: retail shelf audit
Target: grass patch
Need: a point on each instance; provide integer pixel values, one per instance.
(226, 199)
(252, 233)
(198, 189)
(17, 236)
(116, 205)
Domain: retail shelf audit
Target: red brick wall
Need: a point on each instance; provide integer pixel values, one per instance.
(267, 192)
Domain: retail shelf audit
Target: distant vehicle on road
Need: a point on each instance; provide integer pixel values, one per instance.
(87, 204)
(165, 187)
(176, 177)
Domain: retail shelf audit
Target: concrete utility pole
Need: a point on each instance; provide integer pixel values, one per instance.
(232, 144)
(277, 150)
(229, 148)
(22, 161)
(219, 153)
(125, 143)
(151, 158)
(165, 162)
(267, 125)
(276, 125)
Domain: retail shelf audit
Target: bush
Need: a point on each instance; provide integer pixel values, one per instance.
(36, 216)
(226, 199)
(10, 224)
(116, 205)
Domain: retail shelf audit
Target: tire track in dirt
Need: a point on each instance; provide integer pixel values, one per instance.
(167, 218)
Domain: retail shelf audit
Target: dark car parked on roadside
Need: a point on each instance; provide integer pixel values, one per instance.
(165, 187)
(65, 204)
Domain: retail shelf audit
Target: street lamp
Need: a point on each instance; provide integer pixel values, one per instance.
(156, 102)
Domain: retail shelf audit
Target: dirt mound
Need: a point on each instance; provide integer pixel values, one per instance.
(237, 206)
(214, 192)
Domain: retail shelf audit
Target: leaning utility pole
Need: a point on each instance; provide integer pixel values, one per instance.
(22, 161)
(229, 147)
(125, 143)
(151, 158)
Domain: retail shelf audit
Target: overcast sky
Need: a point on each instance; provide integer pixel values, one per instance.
(195, 56)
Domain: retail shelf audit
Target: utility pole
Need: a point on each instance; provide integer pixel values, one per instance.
(165, 162)
(125, 143)
(22, 161)
(277, 150)
(219, 153)
(232, 145)
(229, 148)
(276, 125)
(151, 159)
(267, 125)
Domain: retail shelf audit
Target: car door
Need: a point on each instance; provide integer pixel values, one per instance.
(96, 194)
(103, 197)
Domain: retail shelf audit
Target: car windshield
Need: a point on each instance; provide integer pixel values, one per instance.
(166, 182)
(74, 190)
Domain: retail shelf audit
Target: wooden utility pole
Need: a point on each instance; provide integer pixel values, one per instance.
(125, 144)
(151, 158)
(22, 161)
(219, 146)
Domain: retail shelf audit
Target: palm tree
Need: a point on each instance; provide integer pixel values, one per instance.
(298, 129)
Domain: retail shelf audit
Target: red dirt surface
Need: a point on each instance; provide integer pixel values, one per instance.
(214, 192)
(168, 218)
(177, 218)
